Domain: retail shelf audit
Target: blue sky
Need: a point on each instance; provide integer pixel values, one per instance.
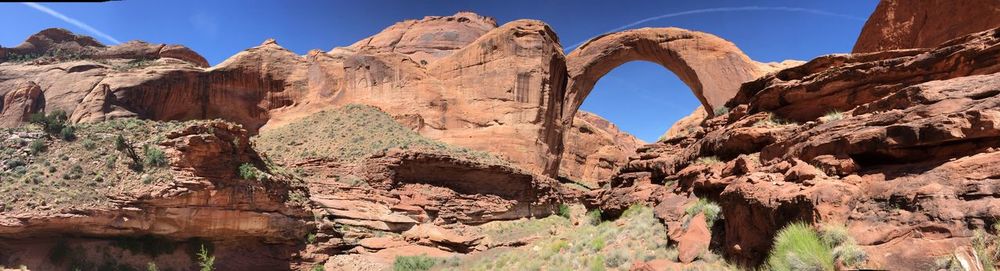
(642, 98)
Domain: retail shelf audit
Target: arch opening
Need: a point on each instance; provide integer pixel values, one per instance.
(641, 98)
(711, 67)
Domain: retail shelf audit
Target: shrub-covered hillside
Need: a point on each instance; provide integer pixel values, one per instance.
(49, 165)
(351, 133)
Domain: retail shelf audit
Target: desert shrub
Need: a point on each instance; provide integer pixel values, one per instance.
(720, 111)
(564, 210)
(798, 247)
(711, 210)
(844, 248)
(89, 144)
(596, 263)
(14, 162)
(987, 248)
(317, 267)
(850, 254)
(134, 64)
(413, 263)
(111, 161)
(154, 156)
(248, 172)
(53, 123)
(68, 133)
(120, 143)
(833, 115)
(598, 243)
(594, 217)
(151, 266)
(75, 172)
(708, 160)
(772, 121)
(834, 235)
(616, 258)
(37, 146)
(205, 260)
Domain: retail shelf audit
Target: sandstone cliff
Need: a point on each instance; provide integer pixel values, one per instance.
(906, 24)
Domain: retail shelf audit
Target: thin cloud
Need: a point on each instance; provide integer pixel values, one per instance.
(728, 9)
(72, 21)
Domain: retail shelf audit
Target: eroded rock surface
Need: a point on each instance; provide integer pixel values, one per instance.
(594, 149)
(907, 24)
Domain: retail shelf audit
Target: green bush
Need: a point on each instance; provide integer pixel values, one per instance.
(564, 210)
(798, 247)
(711, 210)
(248, 172)
(205, 261)
(720, 111)
(37, 146)
(68, 133)
(89, 144)
(412, 263)
(154, 156)
(834, 235)
(845, 249)
(53, 123)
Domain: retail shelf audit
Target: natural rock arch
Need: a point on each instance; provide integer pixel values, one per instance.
(712, 67)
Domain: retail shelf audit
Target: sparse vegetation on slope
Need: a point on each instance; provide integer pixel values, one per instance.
(45, 173)
(636, 236)
(351, 133)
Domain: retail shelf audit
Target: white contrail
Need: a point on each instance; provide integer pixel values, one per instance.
(72, 21)
(727, 9)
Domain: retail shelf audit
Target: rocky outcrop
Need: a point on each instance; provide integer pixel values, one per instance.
(594, 150)
(18, 105)
(892, 144)
(204, 200)
(428, 39)
(687, 125)
(907, 24)
(56, 44)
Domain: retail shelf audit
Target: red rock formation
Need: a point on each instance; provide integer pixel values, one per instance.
(594, 150)
(205, 200)
(17, 105)
(892, 144)
(712, 67)
(907, 24)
